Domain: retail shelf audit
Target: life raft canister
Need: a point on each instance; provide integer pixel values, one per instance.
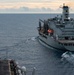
(50, 31)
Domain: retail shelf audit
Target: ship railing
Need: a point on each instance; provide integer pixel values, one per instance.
(66, 40)
(66, 43)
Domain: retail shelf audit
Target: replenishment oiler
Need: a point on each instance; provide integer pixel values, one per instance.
(58, 32)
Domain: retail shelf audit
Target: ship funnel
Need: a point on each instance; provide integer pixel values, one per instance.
(65, 13)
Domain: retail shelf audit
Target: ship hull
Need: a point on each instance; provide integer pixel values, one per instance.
(69, 48)
(52, 43)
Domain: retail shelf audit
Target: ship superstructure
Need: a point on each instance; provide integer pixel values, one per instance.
(58, 32)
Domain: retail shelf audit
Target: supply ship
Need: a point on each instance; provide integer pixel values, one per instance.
(58, 32)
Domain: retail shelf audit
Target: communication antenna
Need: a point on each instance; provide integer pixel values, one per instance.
(60, 6)
(34, 69)
(63, 4)
(6, 54)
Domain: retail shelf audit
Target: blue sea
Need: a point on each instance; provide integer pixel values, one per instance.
(18, 41)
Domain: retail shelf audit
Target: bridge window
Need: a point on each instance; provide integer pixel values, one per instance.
(65, 44)
(66, 38)
(66, 10)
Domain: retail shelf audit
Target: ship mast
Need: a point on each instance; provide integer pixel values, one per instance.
(65, 13)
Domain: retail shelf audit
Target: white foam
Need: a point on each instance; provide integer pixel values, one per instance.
(68, 56)
(33, 38)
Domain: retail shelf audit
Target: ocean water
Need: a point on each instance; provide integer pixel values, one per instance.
(18, 41)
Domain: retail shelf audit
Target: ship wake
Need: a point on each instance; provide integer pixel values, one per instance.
(68, 56)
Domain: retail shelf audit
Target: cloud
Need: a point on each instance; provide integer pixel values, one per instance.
(35, 6)
(28, 10)
(32, 10)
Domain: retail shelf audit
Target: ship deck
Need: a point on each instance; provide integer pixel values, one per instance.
(66, 41)
(4, 67)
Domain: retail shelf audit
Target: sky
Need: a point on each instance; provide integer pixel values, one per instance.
(34, 6)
